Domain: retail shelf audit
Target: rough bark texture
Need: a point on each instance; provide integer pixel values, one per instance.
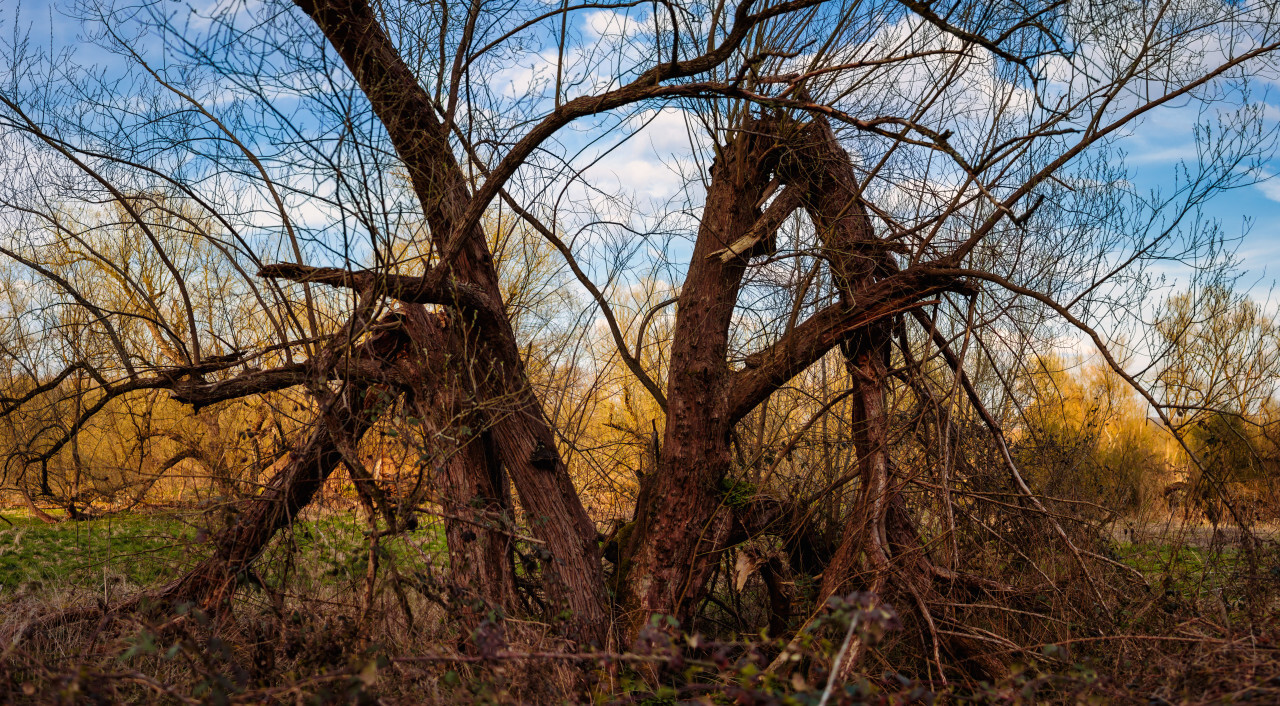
(478, 526)
(864, 533)
(679, 533)
(471, 488)
(817, 165)
(210, 583)
(880, 549)
(573, 578)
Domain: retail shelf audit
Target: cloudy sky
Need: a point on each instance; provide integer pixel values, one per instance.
(649, 164)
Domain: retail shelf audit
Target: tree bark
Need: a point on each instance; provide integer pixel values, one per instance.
(344, 421)
(573, 577)
(820, 168)
(679, 532)
(879, 541)
(864, 533)
(473, 491)
(832, 198)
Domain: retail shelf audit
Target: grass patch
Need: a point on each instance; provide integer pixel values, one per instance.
(335, 550)
(1191, 572)
(139, 549)
(147, 549)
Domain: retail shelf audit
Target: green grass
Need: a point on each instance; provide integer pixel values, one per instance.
(336, 550)
(140, 549)
(1192, 572)
(148, 549)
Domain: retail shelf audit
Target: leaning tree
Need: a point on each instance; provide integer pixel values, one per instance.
(922, 189)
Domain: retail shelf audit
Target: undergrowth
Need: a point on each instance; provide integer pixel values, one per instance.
(1201, 627)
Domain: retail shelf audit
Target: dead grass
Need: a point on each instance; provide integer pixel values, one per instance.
(1200, 627)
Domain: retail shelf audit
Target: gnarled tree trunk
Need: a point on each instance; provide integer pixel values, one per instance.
(573, 578)
(879, 541)
(342, 423)
(680, 524)
(472, 489)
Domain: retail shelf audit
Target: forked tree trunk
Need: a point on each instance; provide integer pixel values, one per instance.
(573, 577)
(820, 168)
(680, 526)
(472, 488)
(880, 541)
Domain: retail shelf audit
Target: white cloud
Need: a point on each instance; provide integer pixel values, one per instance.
(611, 23)
(1270, 188)
(649, 163)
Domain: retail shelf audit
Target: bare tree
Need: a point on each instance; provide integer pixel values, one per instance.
(929, 188)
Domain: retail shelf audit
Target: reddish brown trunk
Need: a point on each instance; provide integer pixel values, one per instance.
(573, 578)
(472, 490)
(341, 426)
(819, 168)
(679, 533)
(864, 536)
(879, 538)
(831, 195)
(478, 527)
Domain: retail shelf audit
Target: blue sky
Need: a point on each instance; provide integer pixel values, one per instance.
(1154, 149)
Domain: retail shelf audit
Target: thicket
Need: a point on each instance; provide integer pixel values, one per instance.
(420, 405)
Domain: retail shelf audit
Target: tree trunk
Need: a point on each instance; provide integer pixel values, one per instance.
(573, 577)
(864, 533)
(879, 539)
(817, 165)
(473, 491)
(478, 524)
(343, 422)
(832, 197)
(679, 534)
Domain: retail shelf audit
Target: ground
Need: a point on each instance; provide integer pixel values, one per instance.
(120, 553)
(110, 556)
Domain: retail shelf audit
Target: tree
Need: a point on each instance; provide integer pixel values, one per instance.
(1217, 377)
(944, 177)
